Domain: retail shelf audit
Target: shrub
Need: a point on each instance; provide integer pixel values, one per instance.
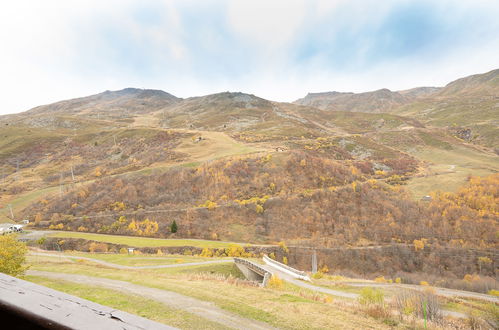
(285, 260)
(12, 255)
(418, 244)
(371, 296)
(415, 303)
(207, 252)
(187, 252)
(98, 247)
(318, 275)
(398, 280)
(494, 293)
(235, 250)
(123, 250)
(380, 279)
(275, 282)
(210, 205)
(283, 247)
(424, 283)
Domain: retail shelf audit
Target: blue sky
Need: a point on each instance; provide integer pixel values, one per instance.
(280, 50)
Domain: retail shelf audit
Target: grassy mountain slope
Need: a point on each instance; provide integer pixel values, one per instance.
(134, 136)
(111, 104)
(469, 107)
(382, 100)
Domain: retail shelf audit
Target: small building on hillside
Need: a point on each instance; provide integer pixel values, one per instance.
(426, 198)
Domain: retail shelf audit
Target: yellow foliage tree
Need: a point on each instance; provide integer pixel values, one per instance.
(12, 255)
(418, 244)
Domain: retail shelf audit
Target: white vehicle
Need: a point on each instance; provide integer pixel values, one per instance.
(18, 228)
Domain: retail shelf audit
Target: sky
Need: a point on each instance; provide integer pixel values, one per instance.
(280, 50)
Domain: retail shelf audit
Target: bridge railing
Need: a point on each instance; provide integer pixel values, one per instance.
(256, 268)
(286, 269)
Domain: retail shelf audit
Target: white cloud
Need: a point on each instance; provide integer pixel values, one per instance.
(269, 25)
(53, 50)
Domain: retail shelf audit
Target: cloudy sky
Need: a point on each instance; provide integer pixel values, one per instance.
(280, 50)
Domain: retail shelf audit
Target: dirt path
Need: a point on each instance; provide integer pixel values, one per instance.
(207, 310)
(117, 266)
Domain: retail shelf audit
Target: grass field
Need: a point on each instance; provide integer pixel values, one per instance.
(142, 241)
(448, 169)
(24, 200)
(143, 259)
(133, 304)
(214, 145)
(289, 307)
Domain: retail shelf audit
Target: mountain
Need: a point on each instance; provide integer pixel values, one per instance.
(382, 100)
(468, 106)
(478, 85)
(122, 103)
(420, 91)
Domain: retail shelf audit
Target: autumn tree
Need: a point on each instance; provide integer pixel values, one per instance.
(12, 255)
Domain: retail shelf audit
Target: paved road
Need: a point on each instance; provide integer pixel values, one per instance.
(439, 291)
(117, 266)
(207, 310)
(306, 285)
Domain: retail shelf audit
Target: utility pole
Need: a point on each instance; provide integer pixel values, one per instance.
(314, 262)
(114, 137)
(72, 174)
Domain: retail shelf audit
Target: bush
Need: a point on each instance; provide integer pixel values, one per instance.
(275, 282)
(12, 255)
(371, 296)
(283, 247)
(414, 303)
(98, 247)
(494, 293)
(206, 253)
(235, 250)
(123, 250)
(318, 275)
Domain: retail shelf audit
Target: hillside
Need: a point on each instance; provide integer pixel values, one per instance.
(467, 107)
(247, 158)
(382, 100)
(111, 104)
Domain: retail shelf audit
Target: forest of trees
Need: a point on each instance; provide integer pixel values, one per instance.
(295, 197)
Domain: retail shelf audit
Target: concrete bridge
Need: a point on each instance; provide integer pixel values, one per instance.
(253, 271)
(262, 273)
